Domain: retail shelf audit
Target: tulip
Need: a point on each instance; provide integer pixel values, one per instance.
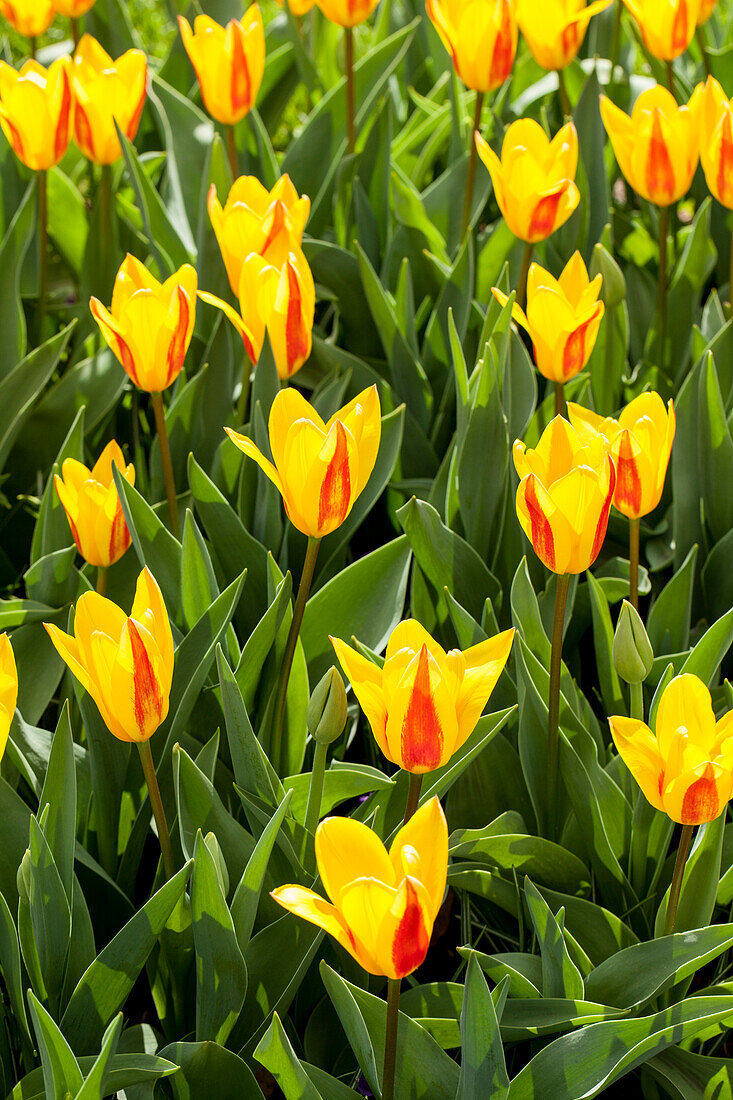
(298, 7)
(93, 507)
(277, 300)
(347, 13)
(270, 223)
(325, 719)
(35, 111)
(632, 653)
(73, 8)
(667, 26)
(8, 689)
(554, 29)
(383, 904)
(229, 62)
(716, 142)
(480, 36)
(707, 7)
(28, 17)
(424, 704)
(105, 92)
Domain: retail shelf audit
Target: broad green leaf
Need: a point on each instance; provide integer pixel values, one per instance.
(247, 894)
(207, 1069)
(483, 1069)
(94, 1083)
(61, 1074)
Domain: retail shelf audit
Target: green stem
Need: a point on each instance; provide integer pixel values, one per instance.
(702, 42)
(350, 95)
(106, 230)
(559, 399)
(306, 579)
(616, 40)
(146, 759)
(730, 276)
(244, 392)
(662, 283)
(634, 563)
(562, 88)
(42, 251)
(315, 791)
(413, 796)
(75, 32)
(524, 272)
(165, 458)
(232, 151)
(636, 702)
(390, 1038)
(102, 580)
(553, 710)
(471, 172)
(679, 869)
(33, 46)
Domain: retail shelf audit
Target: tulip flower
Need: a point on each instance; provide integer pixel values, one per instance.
(8, 690)
(667, 26)
(383, 904)
(270, 223)
(93, 507)
(73, 9)
(707, 7)
(105, 92)
(554, 29)
(35, 111)
(229, 62)
(347, 13)
(424, 704)
(716, 142)
(28, 17)
(298, 7)
(481, 38)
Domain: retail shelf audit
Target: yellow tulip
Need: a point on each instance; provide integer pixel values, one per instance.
(298, 7)
(707, 7)
(93, 508)
(229, 62)
(424, 704)
(480, 36)
(105, 92)
(686, 768)
(564, 496)
(124, 663)
(716, 142)
(563, 316)
(384, 903)
(73, 9)
(270, 223)
(347, 13)
(640, 443)
(278, 300)
(8, 689)
(320, 469)
(150, 324)
(667, 26)
(28, 17)
(554, 29)
(657, 148)
(35, 111)
(534, 182)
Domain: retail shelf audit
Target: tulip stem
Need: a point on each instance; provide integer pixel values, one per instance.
(102, 580)
(559, 399)
(413, 796)
(165, 458)
(232, 151)
(636, 702)
(523, 274)
(662, 283)
(730, 276)
(553, 710)
(616, 40)
(390, 1038)
(350, 95)
(75, 31)
(104, 198)
(562, 88)
(634, 563)
(164, 837)
(669, 67)
(33, 45)
(244, 392)
(306, 578)
(315, 790)
(703, 44)
(42, 250)
(471, 172)
(679, 869)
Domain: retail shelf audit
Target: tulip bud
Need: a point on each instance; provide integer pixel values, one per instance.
(632, 651)
(614, 283)
(326, 715)
(221, 868)
(23, 877)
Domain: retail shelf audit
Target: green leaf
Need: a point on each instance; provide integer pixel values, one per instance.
(59, 794)
(276, 1054)
(95, 1082)
(668, 625)
(541, 859)
(483, 1069)
(15, 244)
(50, 913)
(207, 1069)
(154, 545)
(560, 976)
(61, 1074)
(247, 895)
(699, 881)
(253, 771)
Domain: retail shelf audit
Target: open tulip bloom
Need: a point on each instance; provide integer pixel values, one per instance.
(36, 111)
(93, 507)
(554, 29)
(667, 26)
(480, 36)
(105, 92)
(28, 17)
(229, 62)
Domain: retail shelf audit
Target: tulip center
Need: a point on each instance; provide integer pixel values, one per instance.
(422, 732)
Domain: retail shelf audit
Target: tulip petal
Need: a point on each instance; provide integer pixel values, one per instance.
(347, 849)
(686, 705)
(248, 447)
(637, 747)
(484, 665)
(316, 910)
(420, 850)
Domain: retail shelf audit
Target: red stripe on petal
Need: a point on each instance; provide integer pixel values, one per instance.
(84, 138)
(542, 538)
(240, 86)
(570, 41)
(126, 358)
(544, 216)
(15, 139)
(659, 171)
(573, 357)
(725, 163)
(177, 346)
(335, 495)
(62, 129)
(296, 337)
(422, 733)
(411, 939)
(628, 479)
(603, 518)
(502, 58)
(277, 221)
(75, 533)
(679, 29)
(148, 699)
(119, 537)
(134, 122)
(701, 802)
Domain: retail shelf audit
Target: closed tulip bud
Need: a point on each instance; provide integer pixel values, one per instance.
(319, 468)
(480, 36)
(425, 703)
(707, 7)
(640, 443)
(278, 300)
(222, 872)
(685, 769)
(73, 9)
(716, 142)
(347, 13)
(657, 147)
(326, 715)
(124, 663)
(35, 111)
(667, 26)
(564, 496)
(632, 651)
(614, 284)
(554, 29)
(28, 17)
(229, 62)
(105, 92)
(534, 182)
(270, 223)
(8, 690)
(150, 324)
(383, 904)
(563, 316)
(93, 507)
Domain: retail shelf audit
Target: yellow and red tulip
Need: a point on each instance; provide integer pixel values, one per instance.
(347, 13)
(640, 443)
(36, 111)
(667, 26)
(150, 324)
(424, 703)
(28, 17)
(298, 7)
(564, 496)
(105, 92)
(657, 147)
(480, 36)
(253, 219)
(707, 7)
(319, 468)
(534, 181)
(562, 317)
(554, 29)
(278, 300)
(685, 769)
(383, 904)
(229, 62)
(124, 662)
(716, 142)
(73, 9)
(93, 507)
(8, 689)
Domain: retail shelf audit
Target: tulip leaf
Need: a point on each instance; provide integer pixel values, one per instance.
(52, 531)
(50, 913)
(154, 545)
(207, 1069)
(259, 644)
(198, 585)
(707, 654)
(297, 1079)
(541, 859)
(668, 625)
(253, 771)
(61, 1073)
(483, 1069)
(124, 1071)
(692, 1075)
(613, 700)
(59, 794)
(560, 976)
(247, 894)
(699, 881)
(18, 236)
(11, 968)
(95, 1082)
(341, 782)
